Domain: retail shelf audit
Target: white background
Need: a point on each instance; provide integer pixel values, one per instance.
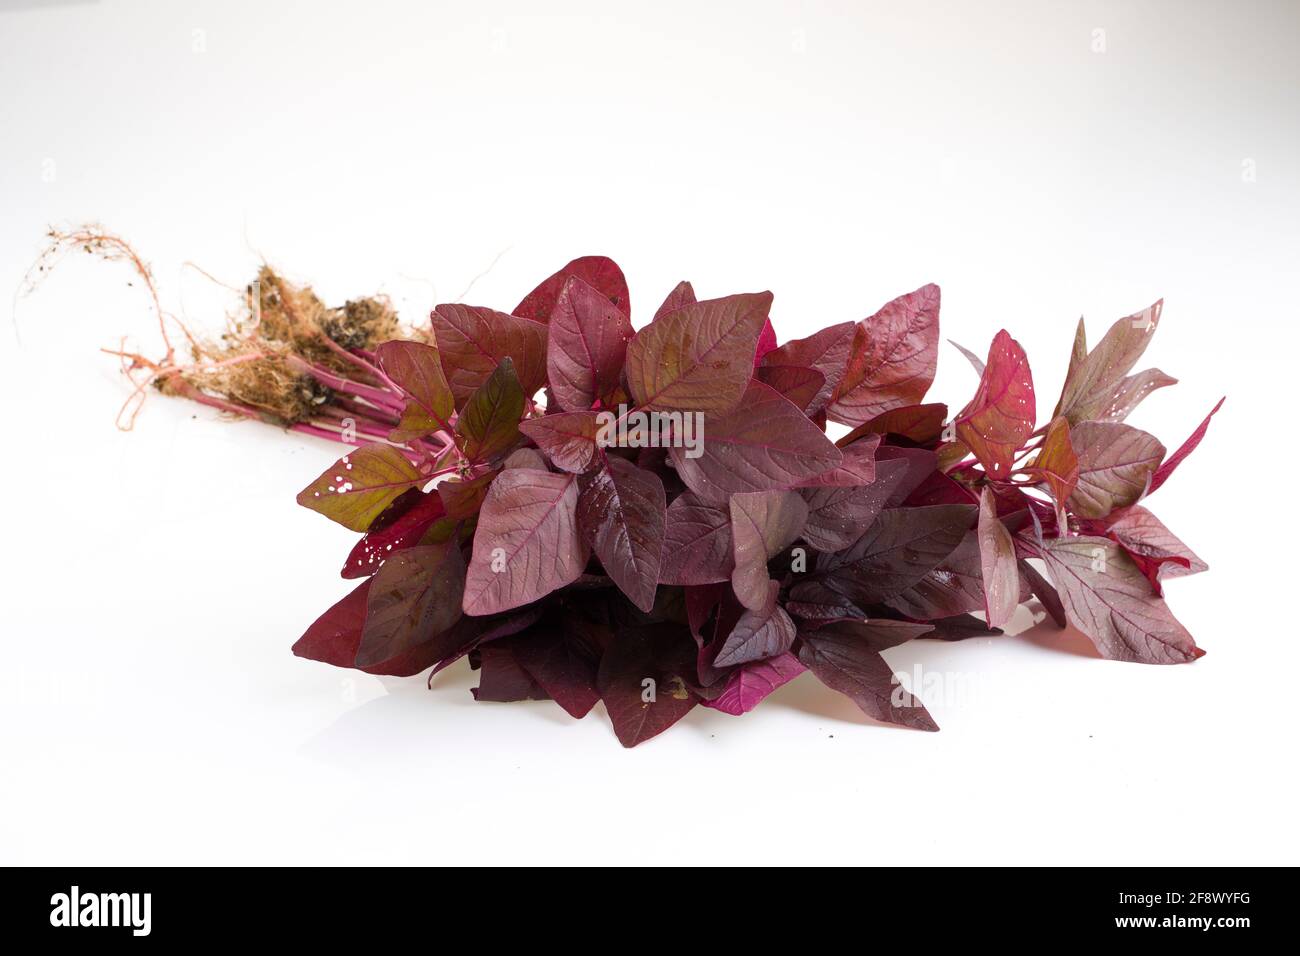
(837, 153)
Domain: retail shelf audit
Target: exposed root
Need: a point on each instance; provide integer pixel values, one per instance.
(260, 366)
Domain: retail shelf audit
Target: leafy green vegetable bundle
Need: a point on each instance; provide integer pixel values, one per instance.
(658, 519)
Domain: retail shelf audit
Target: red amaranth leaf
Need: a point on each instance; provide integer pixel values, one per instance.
(838, 516)
(954, 586)
(526, 544)
(643, 680)
(336, 635)
(563, 663)
(1097, 387)
(1116, 463)
(1186, 448)
(682, 294)
(763, 631)
(766, 341)
(473, 340)
(1057, 464)
(699, 357)
(404, 531)
(489, 422)
(414, 597)
(892, 360)
(599, 272)
(765, 443)
(922, 424)
(417, 369)
(844, 661)
(567, 438)
(621, 514)
(799, 385)
(697, 543)
(899, 550)
(1001, 415)
(857, 467)
(826, 351)
(750, 683)
(762, 524)
(1108, 598)
(1153, 547)
(588, 339)
(998, 564)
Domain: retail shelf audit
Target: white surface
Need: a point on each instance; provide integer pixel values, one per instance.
(837, 153)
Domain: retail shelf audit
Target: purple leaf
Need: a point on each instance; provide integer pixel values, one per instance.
(762, 524)
(1046, 594)
(857, 467)
(564, 664)
(336, 635)
(1108, 598)
(643, 680)
(472, 341)
(976, 362)
(414, 597)
(681, 295)
(750, 683)
(839, 516)
(587, 342)
(764, 444)
(826, 351)
(567, 438)
(997, 563)
(403, 532)
(922, 424)
(621, 513)
(900, 549)
(1116, 463)
(502, 678)
(761, 632)
(697, 543)
(1096, 387)
(800, 386)
(599, 272)
(699, 357)
(417, 369)
(954, 586)
(846, 662)
(1153, 547)
(526, 544)
(892, 360)
(462, 498)
(921, 464)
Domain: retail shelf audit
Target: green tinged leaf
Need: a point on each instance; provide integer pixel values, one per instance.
(489, 423)
(357, 488)
(1097, 387)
